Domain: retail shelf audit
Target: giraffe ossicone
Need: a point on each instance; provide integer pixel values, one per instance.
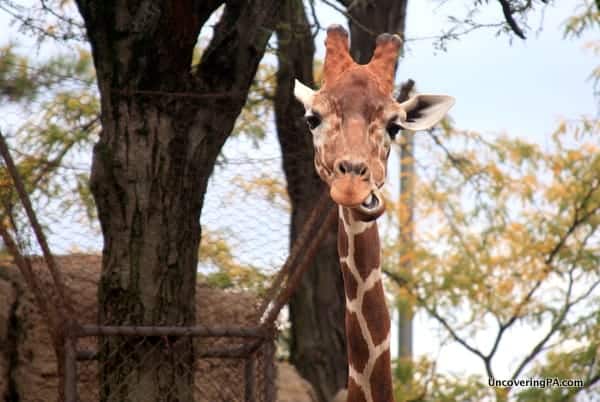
(354, 118)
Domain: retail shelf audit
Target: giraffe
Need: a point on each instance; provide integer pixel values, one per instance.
(353, 119)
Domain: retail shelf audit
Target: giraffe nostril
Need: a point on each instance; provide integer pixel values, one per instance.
(349, 167)
(343, 167)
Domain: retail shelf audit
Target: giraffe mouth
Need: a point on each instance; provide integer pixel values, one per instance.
(372, 206)
(370, 203)
(349, 190)
(359, 195)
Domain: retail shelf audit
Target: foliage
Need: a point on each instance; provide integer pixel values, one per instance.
(585, 19)
(46, 20)
(267, 187)
(54, 120)
(216, 252)
(511, 237)
(253, 121)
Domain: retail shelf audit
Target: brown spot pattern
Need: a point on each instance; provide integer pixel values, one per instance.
(350, 284)
(381, 379)
(355, 393)
(358, 350)
(376, 313)
(366, 251)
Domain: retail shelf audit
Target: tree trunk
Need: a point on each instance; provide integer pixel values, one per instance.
(318, 346)
(371, 18)
(163, 125)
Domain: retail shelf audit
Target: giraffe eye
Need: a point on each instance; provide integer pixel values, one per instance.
(393, 128)
(313, 120)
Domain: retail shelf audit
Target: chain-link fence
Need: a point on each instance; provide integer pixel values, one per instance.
(247, 274)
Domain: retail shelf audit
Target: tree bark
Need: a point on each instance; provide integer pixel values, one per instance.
(318, 346)
(163, 125)
(371, 18)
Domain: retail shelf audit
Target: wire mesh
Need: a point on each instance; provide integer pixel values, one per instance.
(245, 241)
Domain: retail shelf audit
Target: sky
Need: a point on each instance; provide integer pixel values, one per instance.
(521, 88)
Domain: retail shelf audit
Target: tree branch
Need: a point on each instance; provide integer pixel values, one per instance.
(454, 335)
(316, 22)
(350, 18)
(555, 326)
(508, 15)
(237, 46)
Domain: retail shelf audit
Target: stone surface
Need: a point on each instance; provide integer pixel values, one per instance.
(291, 387)
(28, 362)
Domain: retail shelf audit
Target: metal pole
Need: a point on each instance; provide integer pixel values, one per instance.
(406, 224)
(70, 370)
(270, 374)
(407, 173)
(250, 378)
(198, 330)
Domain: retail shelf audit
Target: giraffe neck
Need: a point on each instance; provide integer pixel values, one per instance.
(367, 317)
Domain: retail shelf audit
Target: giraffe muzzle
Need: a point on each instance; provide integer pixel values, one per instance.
(372, 207)
(349, 190)
(361, 196)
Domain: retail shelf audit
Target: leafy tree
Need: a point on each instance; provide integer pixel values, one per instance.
(513, 239)
(164, 120)
(317, 348)
(586, 18)
(215, 251)
(62, 120)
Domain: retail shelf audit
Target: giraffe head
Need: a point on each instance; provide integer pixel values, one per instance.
(354, 118)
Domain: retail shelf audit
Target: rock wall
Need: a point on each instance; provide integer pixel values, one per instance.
(27, 360)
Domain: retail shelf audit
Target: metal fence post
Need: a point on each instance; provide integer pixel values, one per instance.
(70, 370)
(250, 378)
(270, 374)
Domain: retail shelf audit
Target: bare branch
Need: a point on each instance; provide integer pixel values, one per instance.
(454, 335)
(457, 162)
(313, 12)
(508, 15)
(350, 18)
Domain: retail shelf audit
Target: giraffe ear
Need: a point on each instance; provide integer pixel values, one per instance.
(422, 112)
(304, 94)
